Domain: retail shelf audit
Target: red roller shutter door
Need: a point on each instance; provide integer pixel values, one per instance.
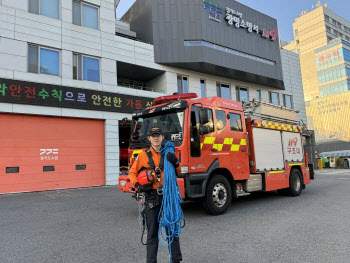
(31, 144)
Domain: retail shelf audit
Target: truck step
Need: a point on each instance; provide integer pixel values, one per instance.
(242, 194)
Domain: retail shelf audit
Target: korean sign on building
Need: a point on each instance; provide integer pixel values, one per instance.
(13, 91)
(235, 18)
(329, 58)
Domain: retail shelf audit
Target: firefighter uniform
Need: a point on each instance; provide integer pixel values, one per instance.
(153, 203)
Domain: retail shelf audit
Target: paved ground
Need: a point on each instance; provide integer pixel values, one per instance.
(100, 225)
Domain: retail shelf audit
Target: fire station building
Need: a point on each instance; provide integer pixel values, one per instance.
(70, 74)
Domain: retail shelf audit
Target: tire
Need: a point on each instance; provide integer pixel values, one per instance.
(295, 183)
(218, 195)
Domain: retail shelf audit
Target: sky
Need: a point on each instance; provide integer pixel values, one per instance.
(285, 11)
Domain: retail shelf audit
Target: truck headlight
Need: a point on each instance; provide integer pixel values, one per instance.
(184, 169)
(122, 183)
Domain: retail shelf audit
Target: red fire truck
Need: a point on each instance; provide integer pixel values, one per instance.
(227, 149)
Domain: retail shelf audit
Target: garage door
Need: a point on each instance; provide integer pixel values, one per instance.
(44, 153)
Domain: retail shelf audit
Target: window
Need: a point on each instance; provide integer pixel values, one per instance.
(333, 22)
(296, 32)
(287, 101)
(338, 25)
(235, 122)
(202, 88)
(258, 94)
(43, 60)
(48, 8)
(326, 18)
(335, 32)
(223, 91)
(345, 29)
(182, 84)
(220, 119)
(328, 29)
(340, 35)
(241, 94)
(274, 98)
(210, 122)
(347, 38)
(329, 38)
(194, 133)
(297, 41)
(86, 68)
(85, 15)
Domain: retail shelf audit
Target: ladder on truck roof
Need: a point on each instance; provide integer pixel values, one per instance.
(257, 109)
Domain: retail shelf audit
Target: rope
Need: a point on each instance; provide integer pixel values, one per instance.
(170, 215)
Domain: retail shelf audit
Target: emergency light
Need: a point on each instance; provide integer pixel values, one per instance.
(165, 99)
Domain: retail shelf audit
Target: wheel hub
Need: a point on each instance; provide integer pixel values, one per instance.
(297, 183)
(219, 195)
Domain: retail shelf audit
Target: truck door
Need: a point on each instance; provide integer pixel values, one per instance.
(232, 136)
(202, 153)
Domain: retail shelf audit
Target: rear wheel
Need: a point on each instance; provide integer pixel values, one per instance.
(295, 183)
(218, 195)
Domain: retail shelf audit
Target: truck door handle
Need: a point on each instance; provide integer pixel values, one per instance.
(214, 150)
(243, 150)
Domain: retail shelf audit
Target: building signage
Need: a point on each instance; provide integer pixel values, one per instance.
(13, 91)
(330, 58)
(235, 18)
(214, 10)
(48, 154)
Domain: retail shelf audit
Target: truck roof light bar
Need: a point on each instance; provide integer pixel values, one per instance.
(164, 99)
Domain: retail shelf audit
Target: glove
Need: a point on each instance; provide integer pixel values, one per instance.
(173, 159)
(141, 188)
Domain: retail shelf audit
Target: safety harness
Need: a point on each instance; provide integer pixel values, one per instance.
(158, 170)
(146, 207)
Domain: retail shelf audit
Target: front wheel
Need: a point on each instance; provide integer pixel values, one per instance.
(218, 195)
(295, 183)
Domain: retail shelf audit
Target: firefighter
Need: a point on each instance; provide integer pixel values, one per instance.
(151, 158)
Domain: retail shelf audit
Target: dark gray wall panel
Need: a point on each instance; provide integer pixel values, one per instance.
(173, 22)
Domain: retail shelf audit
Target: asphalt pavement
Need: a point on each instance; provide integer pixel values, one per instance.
(100, 224)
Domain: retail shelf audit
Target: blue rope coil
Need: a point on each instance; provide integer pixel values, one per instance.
(171, 214)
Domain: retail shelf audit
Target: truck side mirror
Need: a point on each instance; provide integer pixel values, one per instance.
(203, 130)
(203, 116)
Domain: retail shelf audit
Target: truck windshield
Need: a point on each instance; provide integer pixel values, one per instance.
(171, 123)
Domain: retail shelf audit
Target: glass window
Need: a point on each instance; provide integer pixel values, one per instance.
(235, 122)
(86, 68)
(210, 123)
(33, 59)
(338, 25)
(202, 88)
(274, 98)
(328, 28)
(241, 94)
(182, 84)
(194, 133)
(223, 91)
(49, 62)
(329, 38)
(326, 18)
(297, 41)
(48, 8)
(296, 32)
(43, 61)
(33, 7)
(220, 119)
(347, 38)
(85, 15)
(258, 94)
(333, 22)
(287, 101)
